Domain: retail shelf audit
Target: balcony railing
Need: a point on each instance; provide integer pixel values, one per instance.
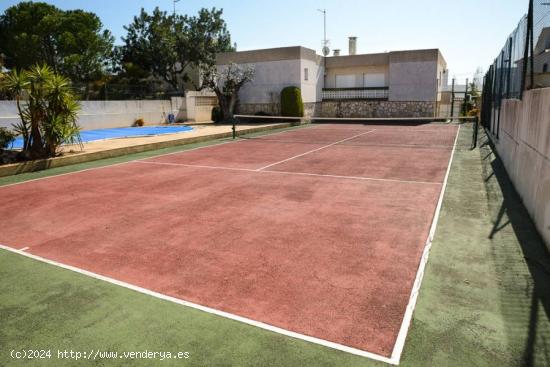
(334, 94)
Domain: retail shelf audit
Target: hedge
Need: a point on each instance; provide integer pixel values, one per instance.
(291, 102)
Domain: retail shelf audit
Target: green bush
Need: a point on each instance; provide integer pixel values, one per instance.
(6, 137)
(291, 102)
(216, 114)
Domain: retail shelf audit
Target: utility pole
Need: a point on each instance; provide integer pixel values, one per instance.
(453, 99)
(325, 50)
(174, 3)
(175, 33)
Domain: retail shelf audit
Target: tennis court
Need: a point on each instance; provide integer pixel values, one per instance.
(318, 233)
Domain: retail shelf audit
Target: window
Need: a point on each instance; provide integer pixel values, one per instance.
(306, 73)
(374, 80)
(545, 68)
(348, 81)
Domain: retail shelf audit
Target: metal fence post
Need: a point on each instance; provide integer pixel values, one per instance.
(452, 99)
(509, 73)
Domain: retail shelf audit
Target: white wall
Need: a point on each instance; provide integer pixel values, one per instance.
(413, 81)
(198, 105)
(104, 114)
(313, 87)
(8, 114)
(269, 79)
(524, 147)
(358, 73)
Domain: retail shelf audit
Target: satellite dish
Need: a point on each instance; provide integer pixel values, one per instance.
(326, 51)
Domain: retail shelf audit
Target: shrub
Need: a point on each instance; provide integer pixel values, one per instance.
(139, 122)
(473, 112)
(291, 102)
(6, 137)
(216, 114)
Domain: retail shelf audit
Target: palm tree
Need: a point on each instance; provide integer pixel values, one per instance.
(15, 84)
(47, 108)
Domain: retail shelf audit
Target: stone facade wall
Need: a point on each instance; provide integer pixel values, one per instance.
(371, 109)
(310, 109)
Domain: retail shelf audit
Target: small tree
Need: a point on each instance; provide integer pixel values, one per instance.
(71, 42)
(47, 108)
(471, 101)
(226, 83)
(171, 46)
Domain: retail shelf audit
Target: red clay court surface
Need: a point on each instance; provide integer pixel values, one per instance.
(318, 230)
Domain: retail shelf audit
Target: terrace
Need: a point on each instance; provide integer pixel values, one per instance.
(364, 93)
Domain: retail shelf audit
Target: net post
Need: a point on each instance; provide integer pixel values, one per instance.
(234, 127)
(474, 133)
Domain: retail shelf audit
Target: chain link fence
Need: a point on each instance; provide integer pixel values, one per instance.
(521, 64)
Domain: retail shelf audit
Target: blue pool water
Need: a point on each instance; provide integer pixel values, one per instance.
(121, 132)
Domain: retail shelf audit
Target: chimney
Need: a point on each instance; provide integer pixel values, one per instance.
(336, 52)
(352, 45)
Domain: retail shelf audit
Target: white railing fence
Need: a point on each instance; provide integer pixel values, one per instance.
(355, 93)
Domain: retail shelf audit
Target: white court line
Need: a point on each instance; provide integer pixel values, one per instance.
(137, 160)
(291, 173)
(419, 146)
(212, 145)
(102, 167)
(403, 331)
(23, 249)
(353, 177)
(213, 311)
(196, 166)
(316, 150)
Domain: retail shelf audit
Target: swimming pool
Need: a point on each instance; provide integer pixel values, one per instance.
(120, 132)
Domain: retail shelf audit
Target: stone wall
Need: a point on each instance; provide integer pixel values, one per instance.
(370, 109)
(375, 109)
(310, 109)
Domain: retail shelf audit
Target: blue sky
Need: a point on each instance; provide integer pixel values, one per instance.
(469, 33)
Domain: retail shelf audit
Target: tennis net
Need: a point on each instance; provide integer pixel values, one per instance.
(407, 131)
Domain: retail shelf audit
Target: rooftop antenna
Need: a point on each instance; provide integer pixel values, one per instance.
(326, 50)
